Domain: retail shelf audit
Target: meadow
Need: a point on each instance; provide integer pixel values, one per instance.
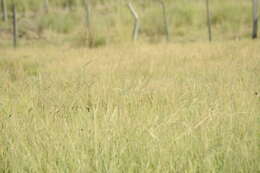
(71, 102)
(189, 107)
(111, 22)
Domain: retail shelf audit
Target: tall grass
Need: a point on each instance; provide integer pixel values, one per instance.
(143, 108)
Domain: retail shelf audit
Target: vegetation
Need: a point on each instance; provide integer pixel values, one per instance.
(143, 108)
(112, 22)
(79, 100)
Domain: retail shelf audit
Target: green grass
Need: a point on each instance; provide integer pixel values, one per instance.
(111, 22)
(131, 108)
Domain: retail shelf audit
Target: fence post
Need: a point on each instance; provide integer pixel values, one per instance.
(87, 9)
(255, 18)
(166, 28)
(90, 35)
(14, 27)
(46, 6)
(4, 10)
(70, 4)
(136, 19)
(208, 20)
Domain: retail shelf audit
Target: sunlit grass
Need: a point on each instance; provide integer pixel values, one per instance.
(131, 108)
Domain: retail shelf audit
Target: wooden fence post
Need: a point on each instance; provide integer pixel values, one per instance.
(46, 6)
(90, 35)
(166, 28)
(136, 19)
(87, 9)
(70, 4)
(208, 20)
(4, 10)
(255, 18)
(14, 27)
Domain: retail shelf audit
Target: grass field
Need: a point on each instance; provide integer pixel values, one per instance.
(111, 22)
(131, 108)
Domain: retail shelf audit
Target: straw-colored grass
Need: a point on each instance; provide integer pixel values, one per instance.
(131, 108)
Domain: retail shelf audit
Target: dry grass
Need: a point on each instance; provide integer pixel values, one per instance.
(131, 108)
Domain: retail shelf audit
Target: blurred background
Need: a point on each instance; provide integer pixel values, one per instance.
(110, 21)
